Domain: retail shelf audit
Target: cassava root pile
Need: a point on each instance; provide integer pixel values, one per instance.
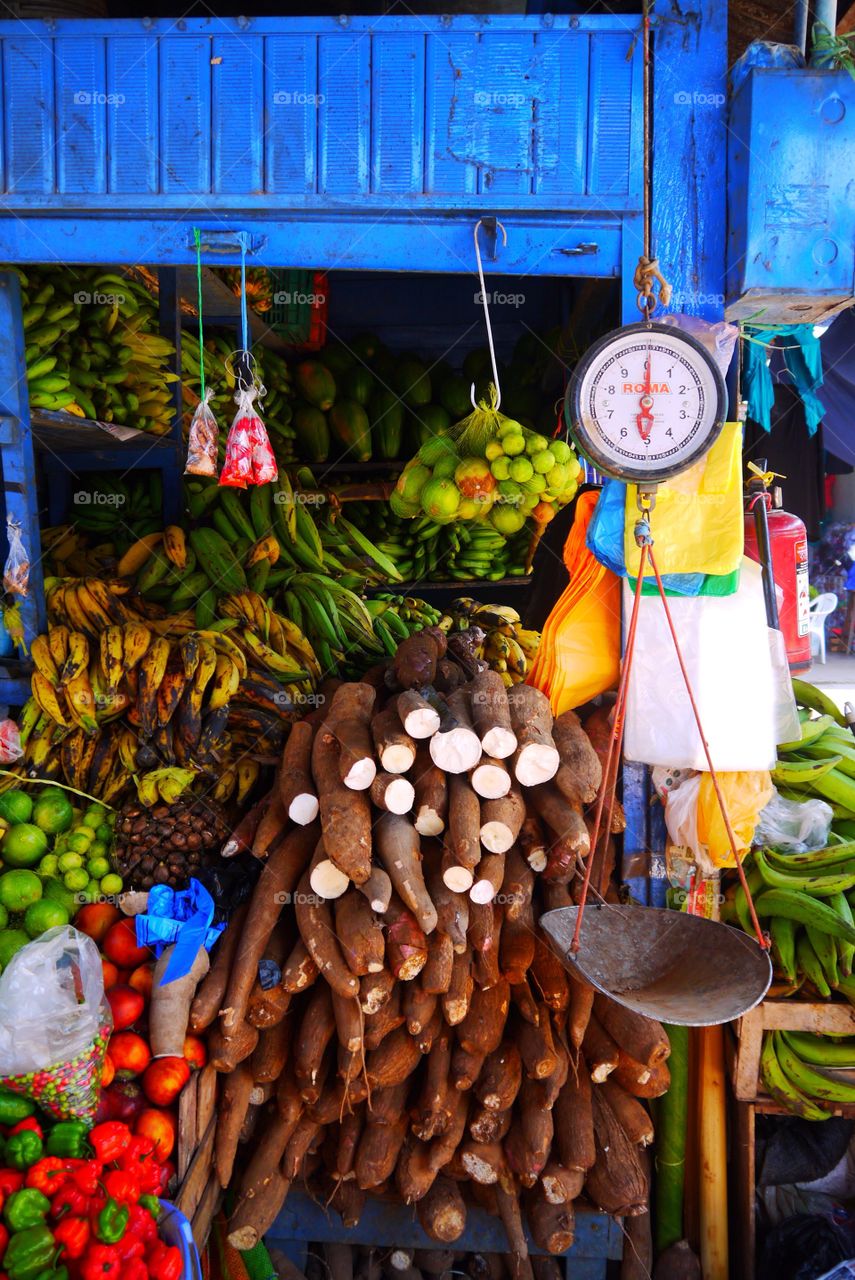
(423, 1041)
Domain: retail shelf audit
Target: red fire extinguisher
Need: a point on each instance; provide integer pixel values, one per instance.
(777, 540)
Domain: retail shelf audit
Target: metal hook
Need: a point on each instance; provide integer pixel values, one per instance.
(490, 225)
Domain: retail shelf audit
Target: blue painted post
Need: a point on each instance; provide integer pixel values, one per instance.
(18, 460)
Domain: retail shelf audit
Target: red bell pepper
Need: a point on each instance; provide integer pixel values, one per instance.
(122, 1185)
(167, 1173)
(87, 1176)
(139, 1147)
(47, 1175)
(10, 1180)
(109, 1140)
(133, 1269)
(4, 1239)
(130, 1246)
(164, 1262)
(102, 1262)
(72, 1235)
(142, 1225)
(30, 1125)
(69, 1199)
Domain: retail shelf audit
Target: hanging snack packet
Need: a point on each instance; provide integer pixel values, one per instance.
(264, 469)
(237, 467)
(16, 572)
(202, 440)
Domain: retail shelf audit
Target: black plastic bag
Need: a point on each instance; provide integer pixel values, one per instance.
(802, 1248)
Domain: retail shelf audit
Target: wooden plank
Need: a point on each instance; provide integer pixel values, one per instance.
(206, 1100)
(744, 1178)
(817, 1017)
(204, 1215)
(187, 1139)
(192, 1188)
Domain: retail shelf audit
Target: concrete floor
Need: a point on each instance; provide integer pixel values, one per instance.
(836, 676)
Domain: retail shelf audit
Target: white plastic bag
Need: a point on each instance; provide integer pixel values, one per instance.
(787, 724)
(55, 1023)
(725, 645)
(794, 826)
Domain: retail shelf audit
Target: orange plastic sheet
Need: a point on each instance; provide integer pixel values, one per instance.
(579, 654)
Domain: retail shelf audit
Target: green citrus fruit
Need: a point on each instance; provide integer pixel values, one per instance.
(510, 427)
(513, 444)
(561, 450)
(473, 477)
(53, 811)
(112, 884)
(509, 493)
(76, 880)
(501, 467)
(557, 479)
(507, 519)
(440, 498)
(18, 889)
(4, 918)
(493, 450)
(445, 468)
(69, 862)
(98, 867)
(57, 892)
(536, 443)
(11, 940)
(412, 482)
(44, 915)
(48, 866)
(521, 470)
(16, 806)
(544, 462)
(79, 843)
(105, 832)
(23, 845)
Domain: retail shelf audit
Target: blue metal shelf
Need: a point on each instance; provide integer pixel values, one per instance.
(384, 1223)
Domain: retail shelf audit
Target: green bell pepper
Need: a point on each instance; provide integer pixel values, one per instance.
(14, 1108)
(153, 1205)
(61, 1273)
(112, 1221)
(68, 1140)
(23, 1149)
(29, 1253)
(25, 1208)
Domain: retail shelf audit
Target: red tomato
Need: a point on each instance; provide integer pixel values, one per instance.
(109, 1072)
(96, 918)
(142, 979)
(164, 1078)
(130, 1053)
(161, 1127)
(120, 945)
(126, 1006)
(195, 1052)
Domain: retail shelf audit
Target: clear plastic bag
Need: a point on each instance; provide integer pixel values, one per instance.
(249, 457)
(16, 571)
(202, 440)
(10, 742)
(794, 826)
(55, 1023)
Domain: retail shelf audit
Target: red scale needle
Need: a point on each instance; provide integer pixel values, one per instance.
(644, 419)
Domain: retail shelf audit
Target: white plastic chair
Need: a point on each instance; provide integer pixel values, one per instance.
(820, 608)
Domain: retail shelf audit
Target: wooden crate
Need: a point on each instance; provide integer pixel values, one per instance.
(822, 1017)
(199, 1192)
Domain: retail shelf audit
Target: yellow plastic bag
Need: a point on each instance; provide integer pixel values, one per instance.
(698, 521)
(745, 795)
(579, 653)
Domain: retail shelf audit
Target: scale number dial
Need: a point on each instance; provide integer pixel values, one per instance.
(645, 403)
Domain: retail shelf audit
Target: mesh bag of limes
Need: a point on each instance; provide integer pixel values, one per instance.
(488, 467)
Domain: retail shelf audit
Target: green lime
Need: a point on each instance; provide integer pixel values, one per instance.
(84, 830)
(509, 493)
(11, 940)
(445, 468)
(513, 444)
(48, 866)
(557, 479)
(493, 450)
(112, 884)
(16, 806)
(535, 443)
(56, 891)
(94, 815)
(521, 470)
(18, 889)
(79, 843)
(98, 867)
(69, 862)
(545, 461)
(561, 450)
(535, 484)
(501, 467)
(53, 811)
(23, 845)
(105, 832)
(76, 880)
(529, 501)
(44, 915)
(507, 519)
(4, 918)
(97, 849)
(510, 427)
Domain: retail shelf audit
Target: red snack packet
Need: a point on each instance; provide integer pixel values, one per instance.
(249, 457)
(264, 467)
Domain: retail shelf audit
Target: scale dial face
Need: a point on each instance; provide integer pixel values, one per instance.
(645, 402)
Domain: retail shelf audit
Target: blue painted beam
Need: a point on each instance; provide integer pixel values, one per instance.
(384, 1223)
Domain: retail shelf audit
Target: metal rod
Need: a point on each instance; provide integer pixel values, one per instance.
(800, 23)
(757, 505)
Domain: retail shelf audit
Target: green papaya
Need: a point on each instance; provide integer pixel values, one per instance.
(387, 423)
(313, 433)
(430, 420)
(412, 382)
(365, 346)
(349, 424)
(337, 359)
(315, 383)
(453, 395)
(357, 384)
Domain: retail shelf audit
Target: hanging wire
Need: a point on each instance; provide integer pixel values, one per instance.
(485, 305)
(197, 240)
